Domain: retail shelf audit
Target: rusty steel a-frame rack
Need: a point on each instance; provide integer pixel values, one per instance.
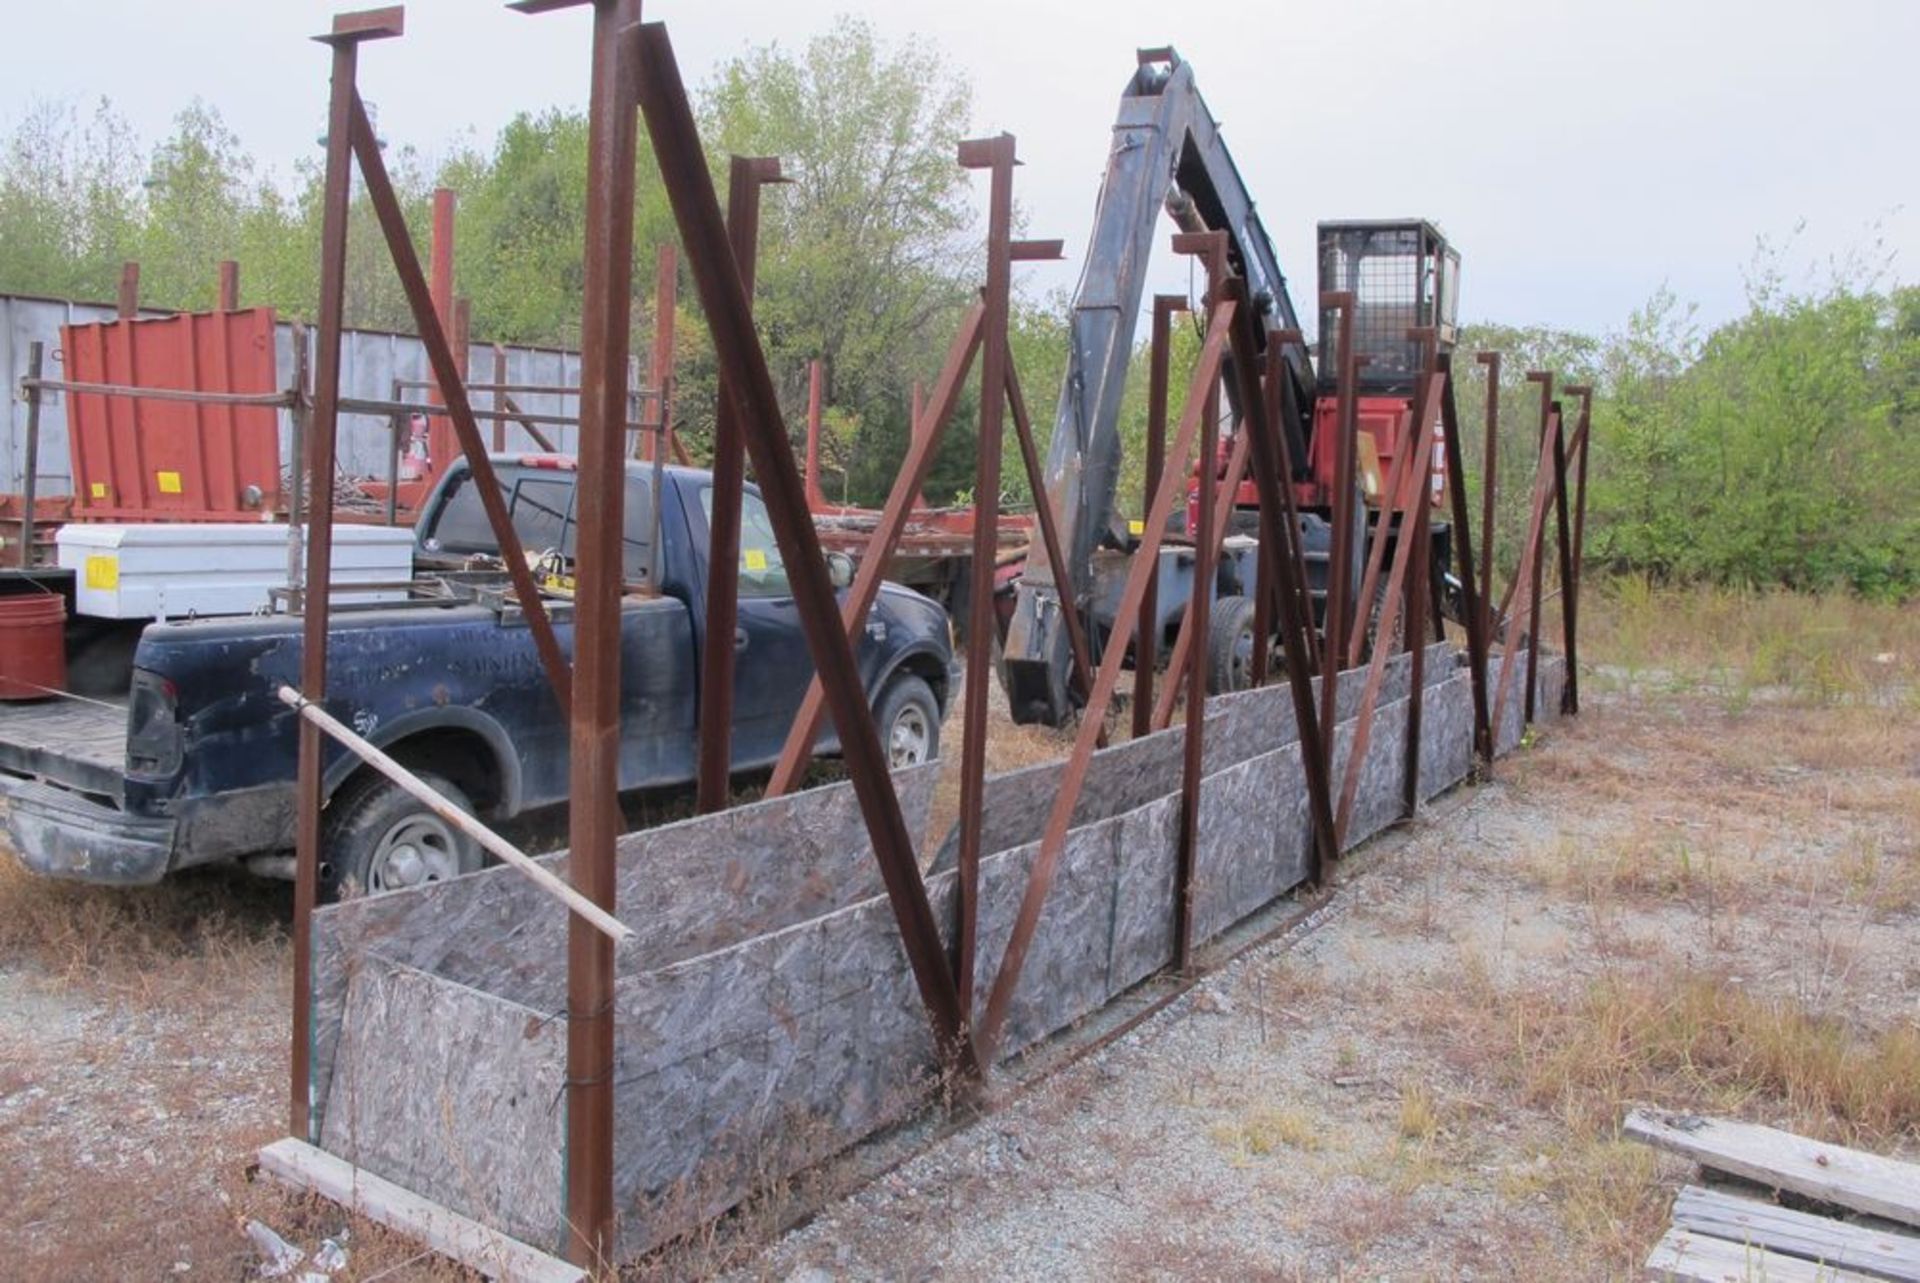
(633, 78)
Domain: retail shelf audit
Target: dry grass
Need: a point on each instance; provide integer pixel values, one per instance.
(1819, 649)
(191, 934)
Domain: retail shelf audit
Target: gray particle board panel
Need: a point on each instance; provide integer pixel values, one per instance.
(1446, 734)
(687, 888)
(1714, 1213)
(454, 1094)
(1835, 1174)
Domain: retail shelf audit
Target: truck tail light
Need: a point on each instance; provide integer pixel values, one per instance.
(156, 743)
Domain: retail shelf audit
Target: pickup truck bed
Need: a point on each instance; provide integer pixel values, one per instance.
(79, 743)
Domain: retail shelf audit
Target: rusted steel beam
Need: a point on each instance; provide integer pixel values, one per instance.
(815, 411)
(528, 424)
(1545, 379)
(1266, 582)
(1420, 603)
(1073, 779)
(996, 156)
(413, 283)
(1522, 623)
(1146, 637)
(127, 301)
(1490, 473)
(1283, 407)
(1049, 533)
(1563, 540)
(593, 812)
(689, 185)
(499, 398)
(872, 570)
(1405, 550)
(1574, 567)
(323, 430)
(714, 764)
(276, 400)
(227, 293)
(30, 472)
(1334, 650)
(1280, 530)
(1396, 480)
(1473, 594)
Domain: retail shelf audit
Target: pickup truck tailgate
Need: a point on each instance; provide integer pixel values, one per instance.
(82, 744)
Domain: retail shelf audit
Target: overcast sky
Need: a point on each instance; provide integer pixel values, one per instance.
(1579, 152)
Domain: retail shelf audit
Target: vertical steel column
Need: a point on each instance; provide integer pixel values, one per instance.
(996, 155)
(1563, 536)
(1545, 379)
(1146, 637)
(1266, 578)
(1199, 621)
(1473, 594)
(1489, 485)
(440, 287)
(30, 474)
(1581, 439)
(666, 302)
(227, 296)
(299, 410)
(127, 302)
(345, 37)
(1433, 384)
(689, 185)
(499, 398)
(1334, 651)
(814, 411)
(715, 744)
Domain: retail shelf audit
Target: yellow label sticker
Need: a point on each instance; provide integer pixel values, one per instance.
(754, 559)
(1136, 527)
(99, 489)
(103, 572)
(169, 482)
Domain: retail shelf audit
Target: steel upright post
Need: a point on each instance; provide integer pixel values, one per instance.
(996, 155)
(1339, 562)
(347, 33)
(227, 295)
(30, 473)
(127, 301)
(715, 744)
(1545, 379)
(1146, 637)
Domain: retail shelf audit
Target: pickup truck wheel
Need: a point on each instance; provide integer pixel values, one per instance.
(1230, 643)
(909, 720)
(380, 838)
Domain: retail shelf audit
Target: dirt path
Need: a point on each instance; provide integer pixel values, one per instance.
(1679, 899)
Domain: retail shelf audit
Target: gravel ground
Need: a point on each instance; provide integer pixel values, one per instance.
(1362, 1100)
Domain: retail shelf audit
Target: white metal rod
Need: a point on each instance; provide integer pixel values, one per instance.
(541, 876)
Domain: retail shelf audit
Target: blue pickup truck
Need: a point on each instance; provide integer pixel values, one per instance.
(199, 765)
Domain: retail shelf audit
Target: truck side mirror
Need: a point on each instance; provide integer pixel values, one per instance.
(840, 569)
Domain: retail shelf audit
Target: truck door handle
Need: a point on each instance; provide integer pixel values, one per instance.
(739, 639)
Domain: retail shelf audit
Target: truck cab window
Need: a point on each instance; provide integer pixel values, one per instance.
(762, 572)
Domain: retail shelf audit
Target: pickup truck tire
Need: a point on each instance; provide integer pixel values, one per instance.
(909, 720)
(1230, 643)
(379, 838)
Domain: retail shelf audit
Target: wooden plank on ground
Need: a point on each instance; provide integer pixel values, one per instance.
(1683, 1257)
(1851, 1178)
(1715, 1213)
(468, 1242)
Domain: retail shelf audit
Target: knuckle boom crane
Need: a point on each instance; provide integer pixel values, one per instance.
(1167, 153)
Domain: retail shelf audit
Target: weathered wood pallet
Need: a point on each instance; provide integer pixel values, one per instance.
(1849, 1178)
(1681, 1257)
(1881, 1253)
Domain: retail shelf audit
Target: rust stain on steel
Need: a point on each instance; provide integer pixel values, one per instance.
(683, 166)
(1280, 529)
(1073, 778)
(1146, 636)
(1390, 609)
(714, 766)
(413, 282)
(1473, 593)
(996, 156)
(886, 535)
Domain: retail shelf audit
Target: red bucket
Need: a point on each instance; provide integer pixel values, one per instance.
(33, 649)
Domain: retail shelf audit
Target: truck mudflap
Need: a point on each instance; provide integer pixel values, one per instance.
(62, 834)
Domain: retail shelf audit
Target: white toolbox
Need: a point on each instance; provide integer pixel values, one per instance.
(170, 570)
